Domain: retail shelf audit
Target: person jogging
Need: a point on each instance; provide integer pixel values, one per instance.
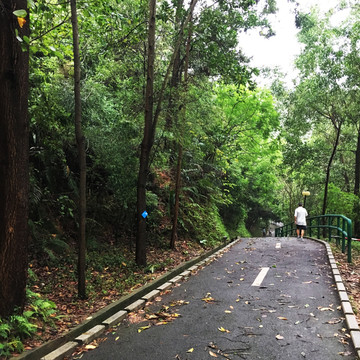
(300, 220)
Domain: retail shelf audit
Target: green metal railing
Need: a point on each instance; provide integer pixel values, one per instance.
(329, 223)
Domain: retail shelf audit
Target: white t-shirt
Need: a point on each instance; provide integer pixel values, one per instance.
(301, 215)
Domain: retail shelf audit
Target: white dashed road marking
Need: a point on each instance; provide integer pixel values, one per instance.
(278, 246)
(259, 279)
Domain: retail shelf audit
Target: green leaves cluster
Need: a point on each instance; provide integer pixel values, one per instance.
(227, 132)
(321, 125)
(21, 326)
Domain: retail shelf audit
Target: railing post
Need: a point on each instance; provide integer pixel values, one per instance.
(338, 231)
(343, 236)
(310, 220)
(349, 239)
(318, 229)
(329, 228)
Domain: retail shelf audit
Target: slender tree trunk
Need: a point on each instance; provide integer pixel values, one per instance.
(80, 141)
(346, 176)
(151, 118)
(175, 77)
(177, 197)
(180, 151)
(328, 169)
(357, 185)
(14, 159)
(147, 141)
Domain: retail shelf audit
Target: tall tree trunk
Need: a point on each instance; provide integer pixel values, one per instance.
(80, 141)
(357, 185)
(177, 197)
(328, 169)
(151, 118)
(346, 176)
(176, 73)
(147, 141)
(14, 159)
(180, 151)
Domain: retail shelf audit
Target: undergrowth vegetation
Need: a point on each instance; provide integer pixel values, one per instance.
(39, 313)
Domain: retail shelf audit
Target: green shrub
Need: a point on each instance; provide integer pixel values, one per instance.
(20, 326)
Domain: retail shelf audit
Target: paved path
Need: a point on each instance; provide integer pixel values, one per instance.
(265, 298)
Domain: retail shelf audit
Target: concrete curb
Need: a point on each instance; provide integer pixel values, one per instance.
(350, 318)
(112, 314)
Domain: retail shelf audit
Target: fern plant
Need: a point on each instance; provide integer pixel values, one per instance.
(21, 326)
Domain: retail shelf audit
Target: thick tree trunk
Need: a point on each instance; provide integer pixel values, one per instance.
(147, 141)
(80, 141)
(14, 161)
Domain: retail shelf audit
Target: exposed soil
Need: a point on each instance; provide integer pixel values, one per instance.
(350, 274)
(59, 285)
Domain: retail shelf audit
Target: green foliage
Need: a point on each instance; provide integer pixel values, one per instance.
(24, 325)
(202, 223)
(341, 202)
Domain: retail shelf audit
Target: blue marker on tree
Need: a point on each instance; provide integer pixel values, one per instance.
(144, 214)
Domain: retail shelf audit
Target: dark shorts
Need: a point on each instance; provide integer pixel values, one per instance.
(301, 227)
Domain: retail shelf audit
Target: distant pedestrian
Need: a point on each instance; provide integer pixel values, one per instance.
(300, 220)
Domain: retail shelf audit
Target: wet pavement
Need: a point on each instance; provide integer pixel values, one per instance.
(264, 298)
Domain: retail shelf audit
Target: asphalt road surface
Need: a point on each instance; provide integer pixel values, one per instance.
(265, 298)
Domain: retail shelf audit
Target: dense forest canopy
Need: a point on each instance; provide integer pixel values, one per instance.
(180, 143)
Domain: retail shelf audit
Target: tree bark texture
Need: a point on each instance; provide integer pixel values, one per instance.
(14, 159)
(147, 141)
(80, 141)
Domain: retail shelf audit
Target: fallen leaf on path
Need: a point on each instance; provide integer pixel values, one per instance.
(334, 321)
(325, 308)
(162, 323)
(208, 299)
(179, 302)
(345, 353)
(223, 329)
(279, 337)
(190, 350)
(143, 328)
(212, 354)
(152, 316)
(282, 318)
(227, 311)
(91, 347)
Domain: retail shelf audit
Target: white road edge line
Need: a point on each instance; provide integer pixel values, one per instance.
(259, 279)
(278, 246)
